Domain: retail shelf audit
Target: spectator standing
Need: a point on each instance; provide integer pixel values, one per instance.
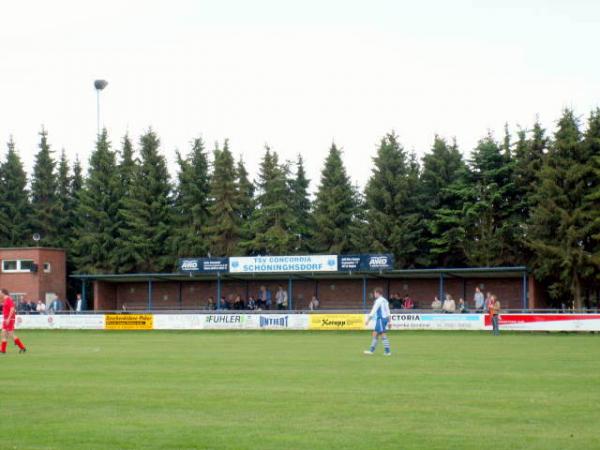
(78, 304)
(494, 310)
(488, 300)
(408, 303)
(281, 298)
(238, 303)
(40, 308)
(264, 297)
(314, 303)
(210, 304)
(478, 300)
(449, 305)
(436, 305)
(224, 303)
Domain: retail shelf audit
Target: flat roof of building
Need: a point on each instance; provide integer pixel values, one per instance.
(58, 249)
(457, 272)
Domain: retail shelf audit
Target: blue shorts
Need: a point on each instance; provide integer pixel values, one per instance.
(380, 325)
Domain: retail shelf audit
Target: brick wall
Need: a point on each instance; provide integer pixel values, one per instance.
(35, 285)
(333, 294)
(105, 296)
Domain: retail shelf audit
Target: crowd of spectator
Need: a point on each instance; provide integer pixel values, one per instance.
(32, 307)
(264, 300)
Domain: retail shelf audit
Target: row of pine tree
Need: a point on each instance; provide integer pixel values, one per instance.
(534, 201)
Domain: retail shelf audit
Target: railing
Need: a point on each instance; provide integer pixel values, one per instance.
(165, 310)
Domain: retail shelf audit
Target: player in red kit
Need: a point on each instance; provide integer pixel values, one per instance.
(9, 314)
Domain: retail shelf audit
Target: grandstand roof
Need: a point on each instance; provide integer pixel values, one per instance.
(456, 272)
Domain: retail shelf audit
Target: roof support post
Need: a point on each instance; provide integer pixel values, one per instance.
(442, 288)
(219, 290)
(84, 306)
(364, 293)
(524, 291)
(290, 289)
(149, 295)
(180, 296)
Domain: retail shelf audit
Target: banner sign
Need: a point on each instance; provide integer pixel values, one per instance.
(336, 322)
(203, 265)
(226, 321)
(301, 321)
(60, 322)
(546, 322)
(128, 322)
(364, 263)
(178, 322)
(436, 322)
(279, 264)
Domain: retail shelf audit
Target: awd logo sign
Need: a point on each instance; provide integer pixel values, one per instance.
(277, 322)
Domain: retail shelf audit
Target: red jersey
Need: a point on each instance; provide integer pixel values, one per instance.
(8, 305)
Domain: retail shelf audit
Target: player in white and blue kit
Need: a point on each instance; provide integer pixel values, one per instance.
(380, 314)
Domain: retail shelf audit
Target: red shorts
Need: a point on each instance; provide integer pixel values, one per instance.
(8, 325)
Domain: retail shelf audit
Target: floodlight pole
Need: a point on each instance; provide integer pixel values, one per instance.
(99, 85)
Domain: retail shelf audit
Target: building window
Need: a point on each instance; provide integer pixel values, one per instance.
(47, 267)
(17, 265)
(9, 266)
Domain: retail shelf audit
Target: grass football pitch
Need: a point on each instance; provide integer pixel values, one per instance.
(300, 390)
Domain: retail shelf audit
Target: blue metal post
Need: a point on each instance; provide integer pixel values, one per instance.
(83, 296)
(441, 297)
(525, 289)
(180, 296)
(149, 295)
(290, 293)
(218, 290)
(364, 293)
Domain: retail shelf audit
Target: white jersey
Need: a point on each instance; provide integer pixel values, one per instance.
(380, 310)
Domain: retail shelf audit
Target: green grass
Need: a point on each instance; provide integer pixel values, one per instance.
(300, 390)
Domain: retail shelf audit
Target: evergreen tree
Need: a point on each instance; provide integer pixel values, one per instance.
(592, 148)
(191, 203)
(148, 212)
(393, 207)
(529, 158)
(15, 209)
(562, 226)
(443, 188)
(245, 190)
(335, 208)
(95, 230)
(300, 205)
(44, 202)
(224, 229)
(64, 203)
(122, 259)
(273, 223)
(489, 207)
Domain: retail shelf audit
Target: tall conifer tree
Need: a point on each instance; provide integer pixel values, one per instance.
(44, 202)
(562, 224)
(392, 203)
(335, 209)
(273, 221)
(147, 212)
(95, 230)
(15, 208)
(443, 187)
(301, 206)
(191, 203)
(224, 229)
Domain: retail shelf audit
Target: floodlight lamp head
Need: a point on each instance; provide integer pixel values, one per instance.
(100, 84)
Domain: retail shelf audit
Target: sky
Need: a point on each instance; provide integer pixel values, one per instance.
(294, 75)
